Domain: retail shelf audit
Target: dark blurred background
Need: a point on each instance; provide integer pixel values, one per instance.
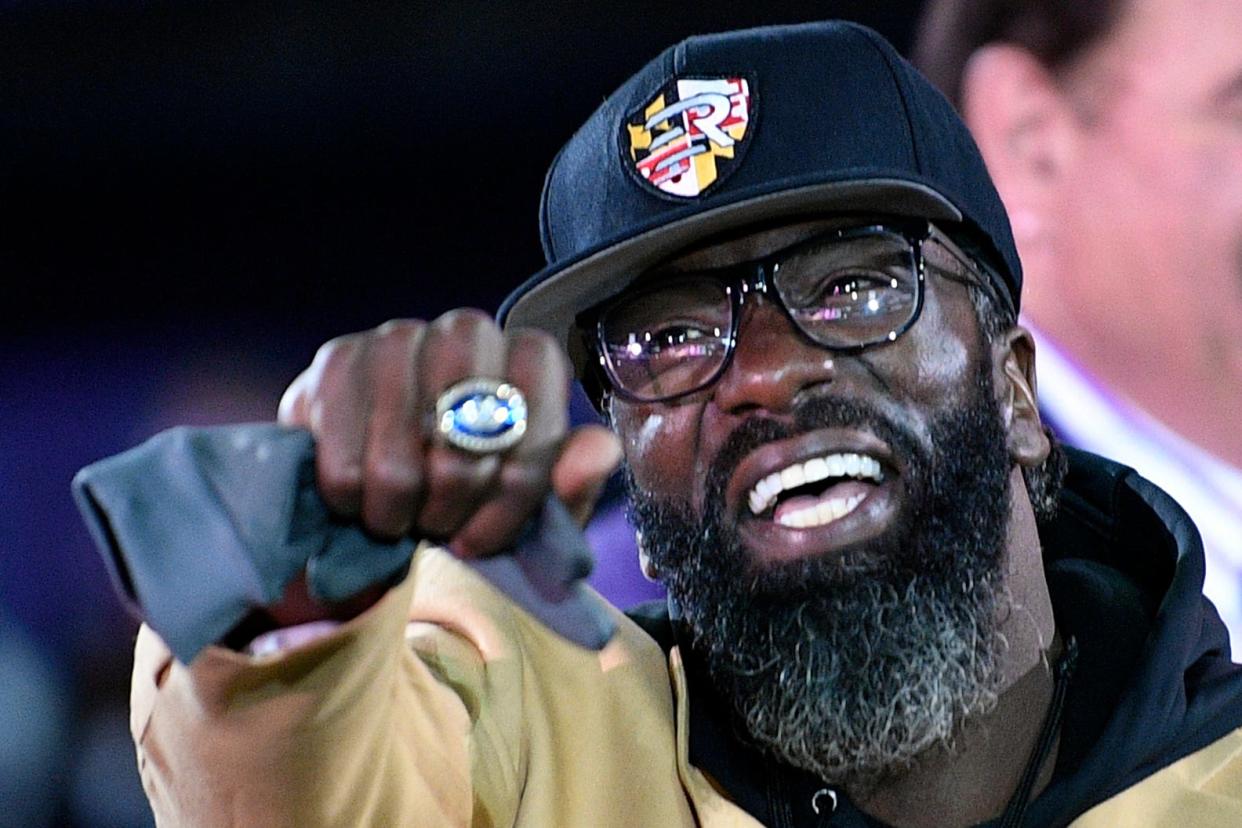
(193, 196)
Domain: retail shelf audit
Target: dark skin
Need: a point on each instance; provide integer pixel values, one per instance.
(366, 399)
(670, 446)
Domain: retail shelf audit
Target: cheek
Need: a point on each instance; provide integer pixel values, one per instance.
(1214, 222)
(1167, 180)
(659, 446)
(942, 355)
(940, 366)
(1186, 217)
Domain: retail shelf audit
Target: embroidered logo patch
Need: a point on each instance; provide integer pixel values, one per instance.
(688, 137)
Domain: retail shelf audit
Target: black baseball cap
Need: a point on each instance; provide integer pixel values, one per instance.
(727, 131)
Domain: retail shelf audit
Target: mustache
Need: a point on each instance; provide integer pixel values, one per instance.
(810, 415)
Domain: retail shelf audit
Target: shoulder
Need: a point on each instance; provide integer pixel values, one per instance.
(1201, 789)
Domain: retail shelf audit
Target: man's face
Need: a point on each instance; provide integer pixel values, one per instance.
(849, 646)
(1155, 194)
(670, 447)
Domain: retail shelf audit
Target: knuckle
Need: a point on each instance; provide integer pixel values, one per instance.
(457, 476)
(338, 353)
(540, 343)
(524, 479)
(385, 518)
(393, 478)
(340, 480)
(461, 320)
(535, 339)
(334, 349)
(402, 329)
(532, 349)
(310, 385)
(448, 472)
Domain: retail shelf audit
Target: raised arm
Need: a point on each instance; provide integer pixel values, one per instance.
(410, 710)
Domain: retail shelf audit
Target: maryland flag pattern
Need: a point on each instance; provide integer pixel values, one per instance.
(687, 138)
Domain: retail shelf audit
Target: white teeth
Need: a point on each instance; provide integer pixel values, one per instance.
(859, 466)
(792, 477)
(822, 513)
(816, 469)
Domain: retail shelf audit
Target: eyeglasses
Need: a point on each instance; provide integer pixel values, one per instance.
(846, 290)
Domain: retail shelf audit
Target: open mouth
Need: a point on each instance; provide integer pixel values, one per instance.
(817, 491)
(823, 492)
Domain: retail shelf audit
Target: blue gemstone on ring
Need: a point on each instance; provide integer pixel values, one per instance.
(482, 415)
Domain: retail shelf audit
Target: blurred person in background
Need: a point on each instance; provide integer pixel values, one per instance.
(1113, 130)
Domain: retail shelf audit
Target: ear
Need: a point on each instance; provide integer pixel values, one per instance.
(1014, 356)
(644, 560)
(1024, 126)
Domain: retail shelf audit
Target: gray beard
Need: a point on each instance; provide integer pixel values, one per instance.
(852, 667)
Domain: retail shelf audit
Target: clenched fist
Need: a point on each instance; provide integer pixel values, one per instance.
(369, 400)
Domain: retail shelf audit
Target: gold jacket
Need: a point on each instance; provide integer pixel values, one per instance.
(446, 705)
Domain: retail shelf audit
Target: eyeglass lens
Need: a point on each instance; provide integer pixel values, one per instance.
(842, 292)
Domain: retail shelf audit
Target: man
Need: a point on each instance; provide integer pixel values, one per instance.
(1111, 130)
(777, 262)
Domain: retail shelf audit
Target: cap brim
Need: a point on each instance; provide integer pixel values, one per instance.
(554, 297)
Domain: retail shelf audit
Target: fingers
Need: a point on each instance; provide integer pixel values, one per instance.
(392, 467)
(335, 407)
(537, 365)
(369, 400)
(458, 345)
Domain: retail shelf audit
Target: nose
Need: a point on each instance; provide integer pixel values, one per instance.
(772, 364)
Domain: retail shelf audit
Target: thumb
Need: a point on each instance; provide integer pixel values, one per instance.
(589, 457)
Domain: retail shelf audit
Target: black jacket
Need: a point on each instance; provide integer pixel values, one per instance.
(1153, 680)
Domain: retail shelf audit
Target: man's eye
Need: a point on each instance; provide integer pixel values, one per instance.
(671, 342)
(856, 285)
(852, 297)
(683, 340)
(865, 291)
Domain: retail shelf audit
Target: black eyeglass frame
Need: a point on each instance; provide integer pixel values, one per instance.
(757, 275)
